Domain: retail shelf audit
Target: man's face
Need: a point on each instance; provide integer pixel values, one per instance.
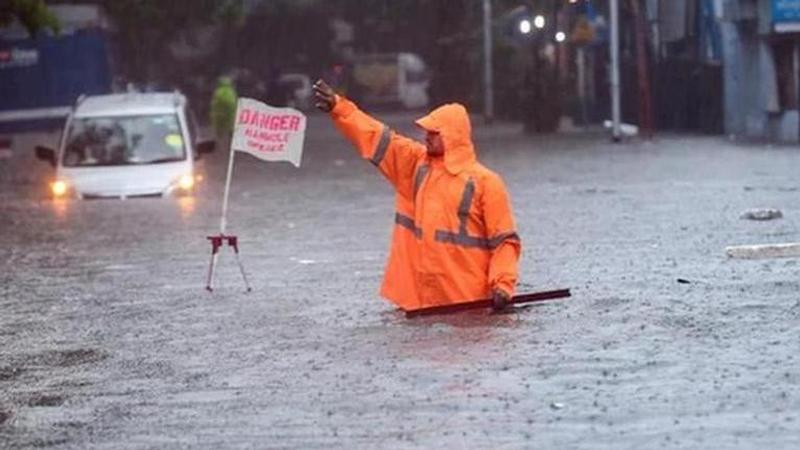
(433, 141)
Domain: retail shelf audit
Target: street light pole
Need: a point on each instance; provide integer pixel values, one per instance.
(615, 88)
(488, 82)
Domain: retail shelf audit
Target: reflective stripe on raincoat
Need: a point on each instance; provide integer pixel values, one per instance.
(454, 238)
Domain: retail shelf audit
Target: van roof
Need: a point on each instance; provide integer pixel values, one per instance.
(129, 104)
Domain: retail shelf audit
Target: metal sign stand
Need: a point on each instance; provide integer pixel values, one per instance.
(218, 240)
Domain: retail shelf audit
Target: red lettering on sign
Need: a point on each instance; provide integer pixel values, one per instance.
(265, 147)
(283, 122)
(244, 116)
(266, 136)
(295, 123)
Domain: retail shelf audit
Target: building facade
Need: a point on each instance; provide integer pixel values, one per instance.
(761, 51)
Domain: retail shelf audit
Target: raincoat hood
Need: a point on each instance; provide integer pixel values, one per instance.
(451, 121)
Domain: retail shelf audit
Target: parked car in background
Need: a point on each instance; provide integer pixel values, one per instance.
(298, 85)
(127, 145)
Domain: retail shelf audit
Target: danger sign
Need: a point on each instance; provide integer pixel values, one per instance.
(269, 133)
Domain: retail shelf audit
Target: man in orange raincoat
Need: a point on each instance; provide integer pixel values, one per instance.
(454, 238)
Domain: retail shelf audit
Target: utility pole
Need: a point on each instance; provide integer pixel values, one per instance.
(645, 101)
(616, 112)
(488, 81)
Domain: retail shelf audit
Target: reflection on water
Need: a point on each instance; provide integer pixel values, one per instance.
(187, 206)
(468, 319)
(451, 339)
(60, 207)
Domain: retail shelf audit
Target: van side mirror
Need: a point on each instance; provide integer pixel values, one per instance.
(46, 154)
(206, 147)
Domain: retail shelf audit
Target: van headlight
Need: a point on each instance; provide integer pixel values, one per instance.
(186, 182)
(59, 188)
(183, 184)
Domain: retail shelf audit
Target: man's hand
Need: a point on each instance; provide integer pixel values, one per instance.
(324, 97)
(500, 300)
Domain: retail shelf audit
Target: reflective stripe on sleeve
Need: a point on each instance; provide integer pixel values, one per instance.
(407, 223)
(502, 237)
(383, 145)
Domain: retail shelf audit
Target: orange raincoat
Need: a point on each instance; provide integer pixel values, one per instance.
(454, 238)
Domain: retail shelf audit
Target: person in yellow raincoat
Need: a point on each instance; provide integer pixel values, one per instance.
(454, 238)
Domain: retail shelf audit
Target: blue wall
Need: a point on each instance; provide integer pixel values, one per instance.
(67, 66)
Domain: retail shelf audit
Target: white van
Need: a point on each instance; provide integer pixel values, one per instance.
(127, 145)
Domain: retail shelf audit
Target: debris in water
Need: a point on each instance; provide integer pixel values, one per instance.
(764, 251)
(9, 373)
(46, 400)
(762, 214)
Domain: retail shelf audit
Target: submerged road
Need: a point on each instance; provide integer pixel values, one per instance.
(108, 340)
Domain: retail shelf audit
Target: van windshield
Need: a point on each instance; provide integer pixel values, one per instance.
(123, 140)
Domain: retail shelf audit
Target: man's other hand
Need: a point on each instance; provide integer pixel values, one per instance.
(500, 300)
(324, 97)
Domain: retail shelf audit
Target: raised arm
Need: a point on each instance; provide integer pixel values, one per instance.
(395, 156)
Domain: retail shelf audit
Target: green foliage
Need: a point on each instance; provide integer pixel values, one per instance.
(223, 107)
(34, 15)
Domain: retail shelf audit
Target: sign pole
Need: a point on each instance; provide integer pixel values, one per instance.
(613, 42)
(488, 82)
(223, 222)
(217, 241)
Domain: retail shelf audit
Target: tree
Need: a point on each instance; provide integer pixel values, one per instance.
(146, 26)
(34, 15)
